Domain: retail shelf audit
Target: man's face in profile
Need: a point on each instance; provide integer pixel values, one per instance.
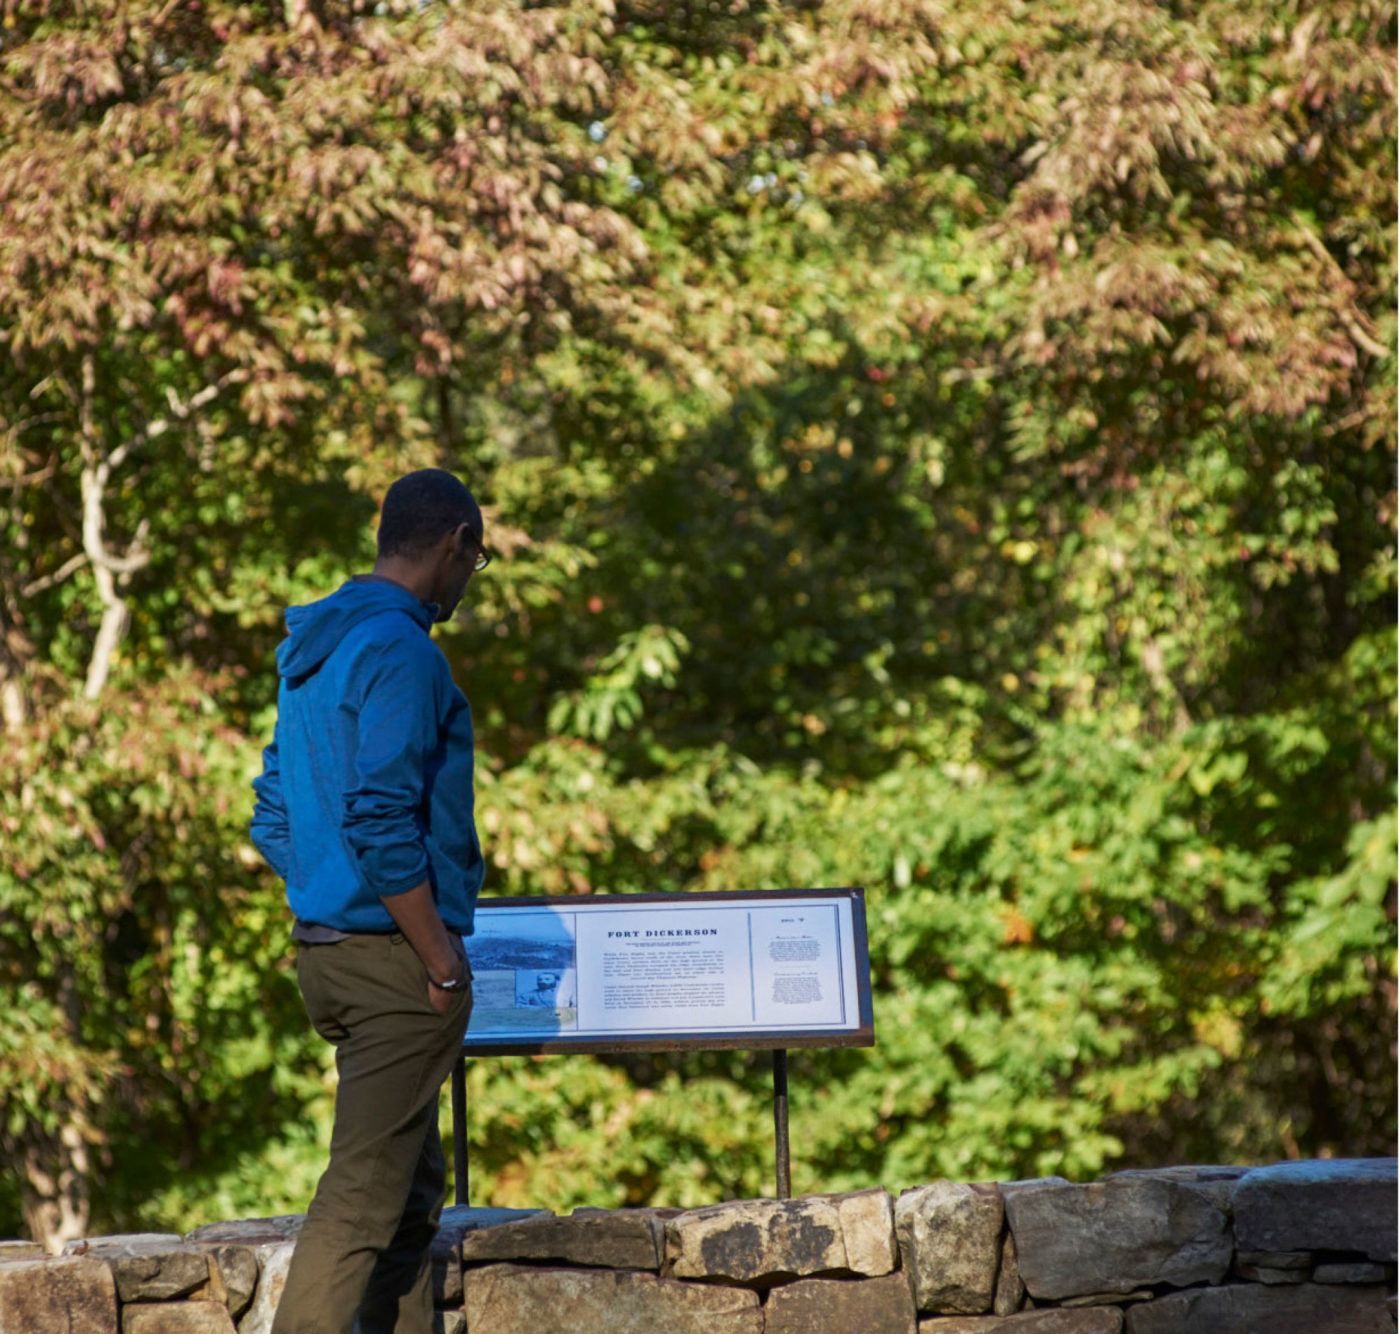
(466, 558)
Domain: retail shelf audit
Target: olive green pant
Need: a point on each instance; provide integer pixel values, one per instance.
(362, 1263)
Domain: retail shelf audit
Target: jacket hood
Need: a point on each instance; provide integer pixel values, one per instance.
(315, 630)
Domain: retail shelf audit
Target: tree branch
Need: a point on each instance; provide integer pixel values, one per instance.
(178, 412)
(57, 577)
(1351, 318)
(111, 571)
(97, 469)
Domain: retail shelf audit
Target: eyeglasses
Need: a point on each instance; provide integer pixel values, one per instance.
(466, 540)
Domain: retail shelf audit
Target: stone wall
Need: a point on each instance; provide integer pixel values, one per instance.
(1298, 1248)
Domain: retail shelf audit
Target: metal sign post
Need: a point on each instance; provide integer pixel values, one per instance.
(459, 1130)
(780, 1124)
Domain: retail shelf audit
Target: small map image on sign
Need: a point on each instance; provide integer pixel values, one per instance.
(521, 940)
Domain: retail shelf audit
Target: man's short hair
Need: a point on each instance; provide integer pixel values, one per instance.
(421, 508)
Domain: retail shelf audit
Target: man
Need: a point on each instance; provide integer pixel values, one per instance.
(364, 808)
(545, 992)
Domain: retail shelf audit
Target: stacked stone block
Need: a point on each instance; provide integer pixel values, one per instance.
(1294, 1248)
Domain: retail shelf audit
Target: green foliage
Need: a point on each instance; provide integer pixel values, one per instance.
(141, 950)
(947, 450)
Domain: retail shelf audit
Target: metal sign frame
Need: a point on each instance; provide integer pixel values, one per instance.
(779, 1040)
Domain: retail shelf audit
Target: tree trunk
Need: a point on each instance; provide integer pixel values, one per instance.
(55, 1193)
(109, 632)
(14, 712)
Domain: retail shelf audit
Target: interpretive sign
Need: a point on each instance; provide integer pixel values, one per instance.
(780, 968)
(666, 972)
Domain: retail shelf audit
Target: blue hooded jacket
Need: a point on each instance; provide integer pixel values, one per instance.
(366, 789)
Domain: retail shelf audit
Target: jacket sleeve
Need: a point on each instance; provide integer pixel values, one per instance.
(398, 731)
(271, 833)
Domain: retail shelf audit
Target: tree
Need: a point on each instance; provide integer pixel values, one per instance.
(946, 449)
